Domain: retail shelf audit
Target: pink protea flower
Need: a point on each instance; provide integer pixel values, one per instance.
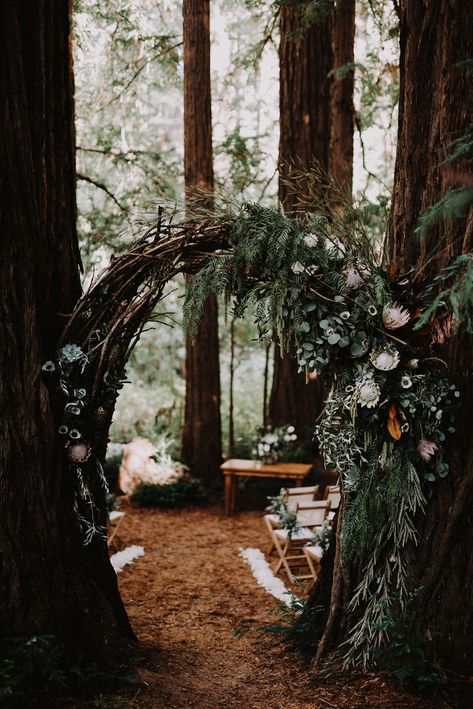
(79, 451)
(427, 449)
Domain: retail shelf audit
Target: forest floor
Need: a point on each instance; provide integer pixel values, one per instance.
(188, 595)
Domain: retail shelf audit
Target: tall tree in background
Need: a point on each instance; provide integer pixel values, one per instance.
(313, 129)
(201, 440)
(50, 583)
(342, 111)
(436, 106)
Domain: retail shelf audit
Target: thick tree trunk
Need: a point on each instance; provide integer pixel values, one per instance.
(436, 105)
(49, 582)
(305, 60)
(201, 439)
(342, 109)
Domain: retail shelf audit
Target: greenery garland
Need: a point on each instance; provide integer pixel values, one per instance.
(320, 286)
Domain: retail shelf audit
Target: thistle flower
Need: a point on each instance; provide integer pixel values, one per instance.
(395, 316)
(71, 353)
(368, 394)
(427, 449)
(353, 278)
(385, 359)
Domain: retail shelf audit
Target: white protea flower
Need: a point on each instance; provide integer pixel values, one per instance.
(311, 240)
(395, 316)
(353, 278)
(427, 449)
(297, 267)
(385, 359)
(413, 364)
(368, 394)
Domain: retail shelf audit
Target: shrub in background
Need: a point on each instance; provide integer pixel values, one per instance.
(182, 492)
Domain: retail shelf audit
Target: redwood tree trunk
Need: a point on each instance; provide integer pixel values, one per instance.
(201, 439)
(342, 109)
(436, 105)
(305, 60)
(49, 582)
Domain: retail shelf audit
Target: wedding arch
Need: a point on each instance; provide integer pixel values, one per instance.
(320, 286)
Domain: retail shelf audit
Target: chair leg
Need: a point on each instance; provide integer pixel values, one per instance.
(271, 534)
(282, 551)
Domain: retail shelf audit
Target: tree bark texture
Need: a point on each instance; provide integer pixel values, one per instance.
(436, 106)
(201, 440)
(341, 98)
(49, 582)
(305, 60)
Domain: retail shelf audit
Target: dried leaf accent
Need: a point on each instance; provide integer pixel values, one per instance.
(394, 427)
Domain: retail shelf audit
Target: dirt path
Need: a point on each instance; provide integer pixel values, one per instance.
(190, 592)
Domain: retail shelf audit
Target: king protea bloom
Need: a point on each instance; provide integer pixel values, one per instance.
(368, 394)
(353, 278)
(385, 359)
(427, 449)
(395, 316)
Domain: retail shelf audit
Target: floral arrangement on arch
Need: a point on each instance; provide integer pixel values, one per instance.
(320, 285)
(271, 443)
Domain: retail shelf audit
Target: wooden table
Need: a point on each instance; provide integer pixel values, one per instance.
(234, 468)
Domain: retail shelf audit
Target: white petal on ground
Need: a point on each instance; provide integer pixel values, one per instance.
(126, 556)
(261, 570)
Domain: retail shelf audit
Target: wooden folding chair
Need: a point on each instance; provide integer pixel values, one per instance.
(311, 516)
(333, 496)
(313, 554)
(294, 496)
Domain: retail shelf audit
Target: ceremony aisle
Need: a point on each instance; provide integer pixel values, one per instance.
(197, 611)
